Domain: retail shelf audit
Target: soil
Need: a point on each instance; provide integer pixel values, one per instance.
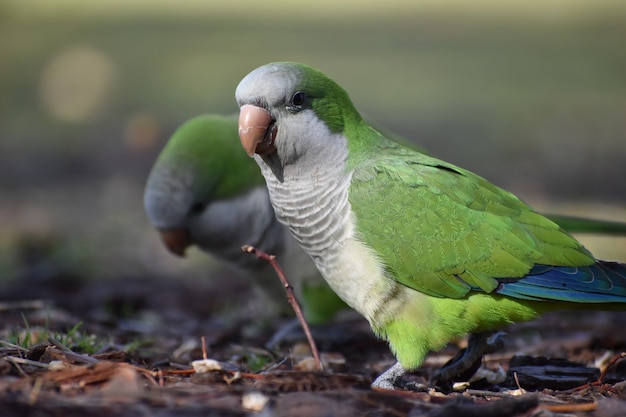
(73, 347)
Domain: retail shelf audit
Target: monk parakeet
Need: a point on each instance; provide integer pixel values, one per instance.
(203, 170)
(204, 190)
(426, 251)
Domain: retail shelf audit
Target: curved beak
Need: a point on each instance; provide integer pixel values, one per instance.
(176, 241)
(257, 131)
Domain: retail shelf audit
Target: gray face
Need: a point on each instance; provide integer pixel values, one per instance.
(306, 175)
(304, 144)
(269, 86)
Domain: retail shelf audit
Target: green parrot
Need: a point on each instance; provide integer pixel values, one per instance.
(426, 251)
(203, 165)
(204, 190)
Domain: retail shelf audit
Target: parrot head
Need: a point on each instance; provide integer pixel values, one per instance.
(282, 103)
(201, 163)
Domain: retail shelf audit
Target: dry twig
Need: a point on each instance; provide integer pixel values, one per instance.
(290, 297)
(616, 358)
(570, 408)
(70, 354)
(600, 381)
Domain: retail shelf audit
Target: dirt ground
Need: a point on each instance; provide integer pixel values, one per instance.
(97, 319)
(71, 347)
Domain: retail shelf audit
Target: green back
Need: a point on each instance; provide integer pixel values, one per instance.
(447, 231)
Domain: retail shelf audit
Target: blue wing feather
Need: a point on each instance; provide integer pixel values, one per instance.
(602, 282)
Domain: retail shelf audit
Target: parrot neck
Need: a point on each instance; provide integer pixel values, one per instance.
(313, 204)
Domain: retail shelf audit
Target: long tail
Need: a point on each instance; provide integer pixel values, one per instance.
(585, 225)
(602, 282)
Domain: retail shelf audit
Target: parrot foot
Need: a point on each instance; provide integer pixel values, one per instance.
(467, 361)
(391, 380)
(388, 379)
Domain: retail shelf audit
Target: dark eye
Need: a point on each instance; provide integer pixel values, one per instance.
(298, 99)
(197, 207)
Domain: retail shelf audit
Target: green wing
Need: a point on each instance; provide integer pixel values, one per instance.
(445, 231)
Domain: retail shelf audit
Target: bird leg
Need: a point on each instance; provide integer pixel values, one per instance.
(467, 361)
(460, 367)
(388, 379)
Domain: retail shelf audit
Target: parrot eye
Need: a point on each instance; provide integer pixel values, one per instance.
(297, 101)
(197, 207)
(298, 98)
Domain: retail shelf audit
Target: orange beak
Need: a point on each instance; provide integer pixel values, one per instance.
(256, 130)
(176, 241)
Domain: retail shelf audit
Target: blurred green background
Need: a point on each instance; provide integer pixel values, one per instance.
(531, 95)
